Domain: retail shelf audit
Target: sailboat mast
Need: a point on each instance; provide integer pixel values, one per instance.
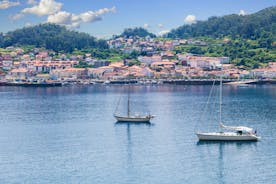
(220, 97)
(128, 103)
(128, 97)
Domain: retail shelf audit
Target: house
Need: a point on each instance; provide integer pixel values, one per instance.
(46, 66)
(18, 74)
(267, 73)
(244, 74)
(139, 72)
(167, 55)
(69, 73)
(95, 73)
(7, 57)
(224, 60)
(149, 59)
(116, 64)
(162, 74)
(16, 64)
(42, 77)
(25, 57)
(182, 42)
(228, 66)
(7, 64)
(99, 63)
(206, 62)
(168, 45)
(163, 64)
(270, 73)
(99, 73)
(19, 51)
(10, 48)
(272, 64)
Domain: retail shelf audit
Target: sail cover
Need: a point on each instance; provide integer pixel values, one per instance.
(237, 128)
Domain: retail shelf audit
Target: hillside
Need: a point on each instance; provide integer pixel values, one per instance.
(250, 26)
(138, 31)
(249, 40)
(52, 37)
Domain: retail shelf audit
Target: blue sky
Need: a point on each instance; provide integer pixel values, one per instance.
(103, 18)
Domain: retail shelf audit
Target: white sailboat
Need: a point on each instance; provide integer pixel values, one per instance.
(135, 118)
(233, 133)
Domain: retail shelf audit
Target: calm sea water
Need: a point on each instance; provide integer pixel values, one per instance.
(68, 135)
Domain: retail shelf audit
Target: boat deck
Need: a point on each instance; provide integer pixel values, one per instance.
(227, 136)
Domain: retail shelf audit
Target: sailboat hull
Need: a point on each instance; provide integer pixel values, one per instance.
(135, 119)
(226, 136)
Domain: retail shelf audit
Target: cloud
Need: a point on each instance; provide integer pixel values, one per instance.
(190, 19)
(91, 16)
(161, 33)
(28, 24)
(5, 4)
(45, 7)
(146, 26)
(160, 25)
(52, 9)
(32, 2)
(242, 13)
(16, 16)
(74, 21)
(106, 10)
(61, 17)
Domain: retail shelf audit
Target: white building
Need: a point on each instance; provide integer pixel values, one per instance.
(7, 64)
(149, 59)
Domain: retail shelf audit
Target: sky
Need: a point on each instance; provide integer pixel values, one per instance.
(104, 18)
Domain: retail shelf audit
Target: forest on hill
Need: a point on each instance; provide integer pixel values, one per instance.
(136, 32)
(252, 26)
(249, 40)
(52, 37)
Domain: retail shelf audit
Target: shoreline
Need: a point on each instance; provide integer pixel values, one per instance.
(143, 82)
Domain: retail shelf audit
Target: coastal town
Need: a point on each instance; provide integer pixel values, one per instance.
(158, 62)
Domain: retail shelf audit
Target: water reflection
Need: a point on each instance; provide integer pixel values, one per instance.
(128, 124)
(223, 147)
(130, 162)
(224, 143)
(69, 133)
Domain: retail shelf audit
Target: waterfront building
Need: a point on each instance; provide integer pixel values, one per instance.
(267, 73)
(18, 74)
(69, 73)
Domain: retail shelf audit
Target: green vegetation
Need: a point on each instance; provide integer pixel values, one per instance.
(259, 25)
(83, 64)
(51, 37)
(111, 55)
(243, 53)
(133, 62)
(249, 40)
(138, 31)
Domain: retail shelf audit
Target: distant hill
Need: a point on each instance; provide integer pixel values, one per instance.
(250, 26)
(249, 40)
(52, 37)
(138, 31)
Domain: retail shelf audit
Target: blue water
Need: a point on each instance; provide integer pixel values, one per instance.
(68, 135)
